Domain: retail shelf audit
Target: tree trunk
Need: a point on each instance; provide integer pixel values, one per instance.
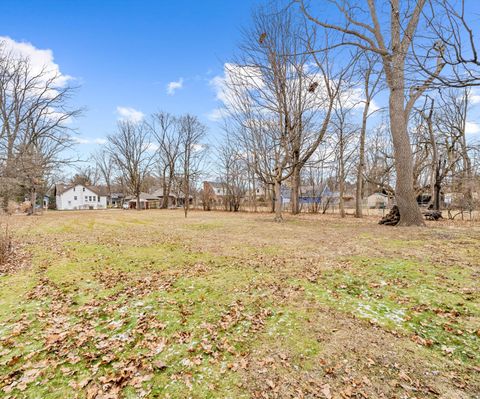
(404, 190)
(33, 200)
(138, 201)
(254, 197)
(295, 189)
(278, 201)
(186, 191)
(271, 190)
(361, 164)
(166, 191)
(341, 202)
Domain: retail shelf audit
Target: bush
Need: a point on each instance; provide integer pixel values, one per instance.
(25, 206)
(5, 244)
(12, 207)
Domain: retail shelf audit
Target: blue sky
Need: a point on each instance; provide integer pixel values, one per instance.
(124, 53)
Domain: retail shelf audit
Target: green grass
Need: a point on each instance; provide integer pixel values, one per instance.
(409, 297)
(188, 308)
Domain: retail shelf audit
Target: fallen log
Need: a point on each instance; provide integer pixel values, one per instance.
(433, 215)
(391, 218)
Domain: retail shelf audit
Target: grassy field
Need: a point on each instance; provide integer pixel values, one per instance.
(107, 304)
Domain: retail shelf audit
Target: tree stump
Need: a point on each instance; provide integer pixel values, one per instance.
(391, 218)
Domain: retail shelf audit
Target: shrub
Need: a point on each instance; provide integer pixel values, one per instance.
(5, 244)
(12, 207)
(25, 206)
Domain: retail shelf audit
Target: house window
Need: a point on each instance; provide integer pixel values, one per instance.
(94, 198)
(98, 198)
(83, 188)
(69, 202)
(90, 198)
(86, 198)
(73, 188)
(75, 197)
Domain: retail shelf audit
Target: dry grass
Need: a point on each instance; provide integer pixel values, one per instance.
(150, 304)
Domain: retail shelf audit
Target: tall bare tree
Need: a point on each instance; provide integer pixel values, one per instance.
(105, 166)
(165, 128)
(34, 128)
(192, 152)
(282, 99)
(371, 75)
(131, 150)
(395, 37)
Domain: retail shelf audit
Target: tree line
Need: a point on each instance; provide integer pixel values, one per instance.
(374, 94)
(304, 72)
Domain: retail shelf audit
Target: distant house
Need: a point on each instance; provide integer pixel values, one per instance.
(214, 193)
(329, 197)
(309, 195)
(172, 198)
(147, 201)
(79, 196)
(116, 200)
(378, 200)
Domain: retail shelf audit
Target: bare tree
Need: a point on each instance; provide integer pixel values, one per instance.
(368, 68)
(165, 128)
(232, 163)
(192, 153)
(282, 98)
(343, 134)
(398, 44)
(130, 148)
(105, 164)
(34, 116)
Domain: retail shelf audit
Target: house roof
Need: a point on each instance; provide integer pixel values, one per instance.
(61, 188)
(382, 194)
(143, 197)
(215, 184)
(159, 193)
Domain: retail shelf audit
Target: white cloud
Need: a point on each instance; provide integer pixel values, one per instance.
(83, 140)
(198, 147)
(472, 128)
(239, 84)
(129, 114)
(216, 114)
(40, 60)
(80, 140)
(475, 96)
(174, 86)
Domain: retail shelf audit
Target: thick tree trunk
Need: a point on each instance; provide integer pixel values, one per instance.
(278, 201)
(436, 196)
(295, 190)
(410, 214)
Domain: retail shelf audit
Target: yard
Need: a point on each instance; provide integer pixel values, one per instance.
(107, 304)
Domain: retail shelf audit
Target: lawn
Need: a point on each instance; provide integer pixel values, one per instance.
(107, 304)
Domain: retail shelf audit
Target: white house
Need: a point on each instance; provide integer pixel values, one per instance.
(78, 196)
